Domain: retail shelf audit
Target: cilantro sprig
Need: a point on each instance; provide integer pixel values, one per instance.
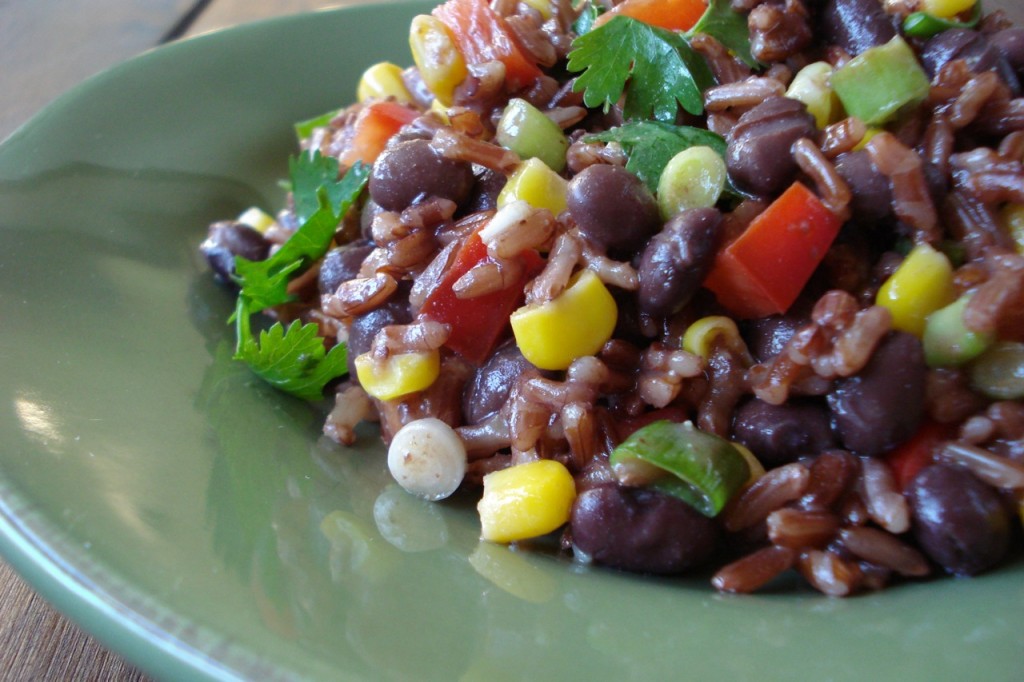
(650, 145)
(656, 69)
(295, 360)
(291, 359)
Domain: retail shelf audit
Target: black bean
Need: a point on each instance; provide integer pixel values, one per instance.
(637, 529)
(411, 171)
(365, 327)
(959, 521)
(758, 154)
(871, 195)
(630, 323)
(882, 405)
(229, 239)
(1010, 42)
(779, 434)
(856, 25)
(766, 336)
(677, 259)
(612, 207)
(222, 262)
(342, 264)
(970, 46)
(489, 388)
(484, 196)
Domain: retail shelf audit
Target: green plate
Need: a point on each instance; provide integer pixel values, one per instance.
(197, 523)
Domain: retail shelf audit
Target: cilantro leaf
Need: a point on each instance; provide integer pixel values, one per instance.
(304, 128)
(662, 70)
(652, 144)
(729, 27)
(585, 21)
(293, 360)
(265, 283)
(309, 173)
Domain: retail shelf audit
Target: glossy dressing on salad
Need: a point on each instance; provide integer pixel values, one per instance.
(676, 284)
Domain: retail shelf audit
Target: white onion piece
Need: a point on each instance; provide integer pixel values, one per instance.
(427, 459)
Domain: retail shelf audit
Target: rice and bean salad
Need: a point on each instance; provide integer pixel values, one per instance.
(734, 287)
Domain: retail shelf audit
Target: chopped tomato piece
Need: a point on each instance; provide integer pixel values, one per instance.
(375, 124)
(913, 455)
(484, 36)
(675, 15)
(477, 323)
(764, 270)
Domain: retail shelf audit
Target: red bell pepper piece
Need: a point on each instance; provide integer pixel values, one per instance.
(477, 323)
(907, 459)
(674, 15)
(763, 271)
(483, 36)
(375, 124)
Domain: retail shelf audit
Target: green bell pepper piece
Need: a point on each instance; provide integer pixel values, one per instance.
(880, 82)
(528, 132)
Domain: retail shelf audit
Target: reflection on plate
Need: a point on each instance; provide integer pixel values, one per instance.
(196, 521)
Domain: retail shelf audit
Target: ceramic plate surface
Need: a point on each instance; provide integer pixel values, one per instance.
(196, 521)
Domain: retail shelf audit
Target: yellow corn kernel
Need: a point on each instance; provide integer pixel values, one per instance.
(693, 178)
(526, 501)
(257, 219)
(437, 57)
(542, 6)
(397, 375)
(700, 335)
(756, 468)
(537, 185)
(383, 80)
(922, 284)
(441, 111)
(810, 86)
(946, 9)
(1012, 217)
(868, 134)
(575, 324)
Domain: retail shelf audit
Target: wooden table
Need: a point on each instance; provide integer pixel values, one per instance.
(47, 46)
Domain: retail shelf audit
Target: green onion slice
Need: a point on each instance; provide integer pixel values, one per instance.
(703, 470)
(924, 25)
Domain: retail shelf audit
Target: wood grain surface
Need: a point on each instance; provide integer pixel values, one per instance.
(47, 47)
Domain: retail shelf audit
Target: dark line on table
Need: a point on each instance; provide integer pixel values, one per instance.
(185, 22)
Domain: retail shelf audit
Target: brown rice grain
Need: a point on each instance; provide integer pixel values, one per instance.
(996, 470)
(883, 549)
(770, 492)
(754, 571)
(884, 503)
(828, 573)
(797, 529)
(359, 295)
